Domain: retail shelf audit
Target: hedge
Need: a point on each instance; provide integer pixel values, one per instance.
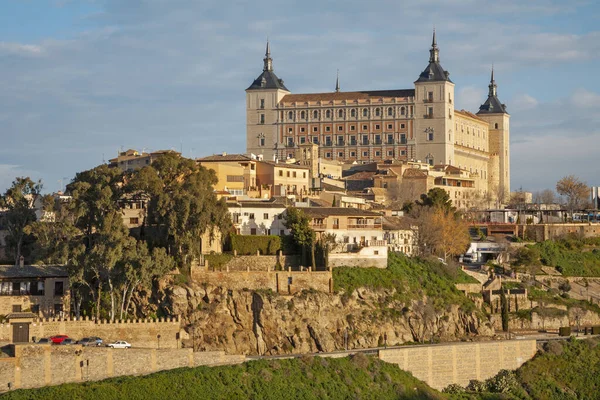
(248, 244)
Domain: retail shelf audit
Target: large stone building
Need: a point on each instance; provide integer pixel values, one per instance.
(417, 124)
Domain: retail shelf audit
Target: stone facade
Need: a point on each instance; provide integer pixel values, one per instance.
(282, 282)
(541, 232)
(442, 365)
(45, 365)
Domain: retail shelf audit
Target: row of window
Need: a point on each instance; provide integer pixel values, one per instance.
(353, 112)
(236, 216)
(341, 128)
(28, 288)
(365, 154)
(292, 174)
(351, 140)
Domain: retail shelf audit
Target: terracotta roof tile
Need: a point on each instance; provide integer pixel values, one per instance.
(341, 96)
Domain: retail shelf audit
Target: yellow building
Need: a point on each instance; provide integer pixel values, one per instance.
(236, 173)
(419, 125)
(132, 159)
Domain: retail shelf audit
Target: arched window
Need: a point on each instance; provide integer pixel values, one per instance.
(302, 115)
(291, 115)
(353, 113)
(402, 110)
(328, 114)
(341, 114)
(315, 114)
(496, 126)
(390, 112)
(365, 112)
(377, 112)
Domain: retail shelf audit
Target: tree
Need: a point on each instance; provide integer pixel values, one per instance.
(328, 243)
(299, 225)
(546, 196)
(182, 205)
(576, 192)
(440, 233)
(18, 201)
(437, 198)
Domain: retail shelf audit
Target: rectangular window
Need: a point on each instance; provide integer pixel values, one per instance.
(341, 154)
(430, 112)
(294, 174)
(253, 231)
(352, 154)
(389, 126)
(327, 129)
(403, 138)
(340, 128)
(302, 140)
(265, 216)
(430, 96)
(352, 140)
(262, 118)
(288, 174)
(304, 174)
(377, 139)
(251, 216)
(315, 129)
(377, 126)
(402, 152)
(430, 136)
(402, 126)
(16, 308)
(390, 139)
(262, 103)
(391, 153)
(235, 178)
(290, 130)
(59, 288)
(365, 127)
(365, 154)
(261, 142)
(134, 221)
(302, 130)
(377, 154)
(327, 155)
(352, 127)
(281, 232)
(280, 173)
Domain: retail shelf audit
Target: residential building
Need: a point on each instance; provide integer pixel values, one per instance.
(401, 234)
(41, 290)
(259, 217)
(131, 160)
(236, 173)
(283, 179)
(418, 124)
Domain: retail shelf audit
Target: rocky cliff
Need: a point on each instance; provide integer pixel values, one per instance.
(260, 322)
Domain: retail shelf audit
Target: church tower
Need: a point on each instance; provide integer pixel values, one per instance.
(494, 113)
(434, 111)
(262, 97)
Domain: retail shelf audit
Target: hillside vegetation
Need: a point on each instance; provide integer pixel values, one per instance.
(357, 377)
(571, 256)
(412, 278)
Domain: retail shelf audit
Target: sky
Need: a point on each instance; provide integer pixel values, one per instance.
(82, 79)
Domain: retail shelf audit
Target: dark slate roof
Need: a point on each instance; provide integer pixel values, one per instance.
(33, 271)
(16, 315)
(271, 82)
(492, 106)
(335, 211)
(434, 73)
(348, 96)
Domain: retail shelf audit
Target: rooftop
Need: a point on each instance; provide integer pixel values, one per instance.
(225, 157)
(341, 96)
(33, 271)
(316, 212)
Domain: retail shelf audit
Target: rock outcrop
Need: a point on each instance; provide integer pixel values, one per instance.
(260, 322)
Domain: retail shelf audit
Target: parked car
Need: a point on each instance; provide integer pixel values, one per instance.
(67, 342)
(58, 339)
(90, 341)
(44, 340)
(119, 344)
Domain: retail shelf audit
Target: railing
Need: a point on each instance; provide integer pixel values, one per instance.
(336, 226)
(377, 142)
(428, 116)
(364, 226)
(353, 143)
(289, 144)
(428, 100)
(319, 226)
(373, 243)
(340, 143)
(21, 293)
(390, 141)
(365, 142)
(327, 144)
(402, 141)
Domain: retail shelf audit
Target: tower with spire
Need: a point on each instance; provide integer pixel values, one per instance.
(434, 110)
(493, 111)
(262, 97)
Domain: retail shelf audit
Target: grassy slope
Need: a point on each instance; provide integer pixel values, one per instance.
(411, 277)
(573, 257)
(358, 377)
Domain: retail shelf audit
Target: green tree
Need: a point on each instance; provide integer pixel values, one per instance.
(299, 225)
(182, 205)
(18, 201)
(437, 198)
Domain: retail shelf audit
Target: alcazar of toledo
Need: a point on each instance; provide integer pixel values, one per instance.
(417, 125)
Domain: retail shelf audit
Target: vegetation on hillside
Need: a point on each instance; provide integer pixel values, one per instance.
(356, 377)
(571, 256)
(412, 278)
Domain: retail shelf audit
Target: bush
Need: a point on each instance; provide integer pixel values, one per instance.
(249, 244)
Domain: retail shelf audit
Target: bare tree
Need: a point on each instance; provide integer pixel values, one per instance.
(575, 191)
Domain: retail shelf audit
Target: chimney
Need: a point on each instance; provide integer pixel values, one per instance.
(21, 261)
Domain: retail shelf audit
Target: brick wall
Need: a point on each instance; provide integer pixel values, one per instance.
(261, 263)
(441, 365)
(42, 365)
(140, 333)
(277, 281)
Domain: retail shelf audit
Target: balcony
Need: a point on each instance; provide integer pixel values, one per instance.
(352, 142)
(428, 116)
(364, 142)
(319, 226)
(428, 100)
(377, 142)
(364, 226)
(390, 141)
(340, 143)
(402, 141)
(289, 144)
(373, 243)
(328, 144)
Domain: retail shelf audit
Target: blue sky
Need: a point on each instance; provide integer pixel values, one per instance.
(80, 80)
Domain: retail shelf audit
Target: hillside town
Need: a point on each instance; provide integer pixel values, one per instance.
(353, 220)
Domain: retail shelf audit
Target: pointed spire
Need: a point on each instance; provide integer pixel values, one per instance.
(337, 82)
(268, 66)
(492, 86)
(434, 53)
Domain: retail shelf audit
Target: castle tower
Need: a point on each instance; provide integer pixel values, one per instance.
(262, 97)
(494, 112)
(434, 111)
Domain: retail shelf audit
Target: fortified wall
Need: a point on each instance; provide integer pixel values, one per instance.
(140, 333)
(41, 365)
(441, 365)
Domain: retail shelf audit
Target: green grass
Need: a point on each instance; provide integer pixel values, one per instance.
(571, 256)
(552, 297)
(411, 278)
(357, 377)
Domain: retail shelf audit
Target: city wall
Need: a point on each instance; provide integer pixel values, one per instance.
(541, 232)
(261, 263)
(43, 365)
(283, 282)
(140, 333)
(444, 364)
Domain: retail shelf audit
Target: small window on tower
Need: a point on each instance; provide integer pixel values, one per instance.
(262, 103)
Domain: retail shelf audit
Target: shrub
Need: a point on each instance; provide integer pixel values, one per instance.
(554, 347)
(249, 244)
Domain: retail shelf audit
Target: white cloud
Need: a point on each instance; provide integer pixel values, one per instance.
(523, 102)
(585, 99)
(20, 49)
(470, 98)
